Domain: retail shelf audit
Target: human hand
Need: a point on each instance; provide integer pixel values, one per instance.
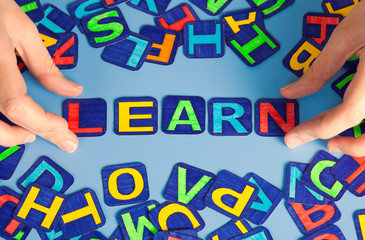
(17, 32)
(348, 39)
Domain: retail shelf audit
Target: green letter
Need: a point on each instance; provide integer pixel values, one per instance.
(193, 121)
(137, 234)
(94, 26)
(315, 177)
(182, 195)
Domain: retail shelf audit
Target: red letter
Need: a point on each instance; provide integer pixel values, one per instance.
(323, 21)
(58, 60)
(304, 215)
(73, 120)
(355, 174)
(13, 225)
(179, 25)
(268, 108)
(326, 236)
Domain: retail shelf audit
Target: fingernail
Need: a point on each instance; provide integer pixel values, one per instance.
(284, 88)
(335, 149)
(30, 138)
(68, 146)
(79, 86)
(294, 142)
(60, 130)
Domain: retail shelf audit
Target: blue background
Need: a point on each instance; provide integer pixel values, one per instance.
(208, 78)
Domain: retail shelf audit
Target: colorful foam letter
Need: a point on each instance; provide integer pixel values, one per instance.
(188, 186)
(259, 233)
(173, 216)
(270, 7)
(267, 199)
(20, 63)
(295, 190)
(284, 115)
(343, 7)
(230, 230)
(229, 117)
(66, 55)
(183, 115)
(236, 21)
(93, 236)
(204, 39)
(359, 219)
(32, 8)
(117, 234)
(356, 131)
(352, 62)
(164, 44)
(82, 8)
(55, 20)
(56, 234)
(153, 7)
(212, 7)
(253, 44)
(112, 3)
(301, 57)
(310, 218)
(86, 117)
(340, 84)
(331, 232)
(40, 207)
(82, 214)
(9, 200)
(319, 178)
(319, 26)
(350, 171)
(135, 116)
(48, 174)
(125, 184)
(9, 159)
(22, 234)
(50, 40)
(134, 220)
(174, 235)
(130, 53)
(231, 195)
(105, 27)
(176, 18)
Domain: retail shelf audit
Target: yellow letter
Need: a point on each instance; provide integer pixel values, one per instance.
(343, 11)
(312, 50)
(48, 41)
(90, 209)
(242, 199)
(362, 225)
(113, 184)
(235, 25)
(50, 212)
(173, 208)
(125, 116)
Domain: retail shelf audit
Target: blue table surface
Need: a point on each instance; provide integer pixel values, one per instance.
(208, 78)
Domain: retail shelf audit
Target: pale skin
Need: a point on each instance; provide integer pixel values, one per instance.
(17, 32)
(347, 40)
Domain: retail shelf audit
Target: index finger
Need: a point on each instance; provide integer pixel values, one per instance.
(336, 120)
(333, 56)
(21, 109)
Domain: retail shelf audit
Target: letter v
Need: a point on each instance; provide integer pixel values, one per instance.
(186, 197)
